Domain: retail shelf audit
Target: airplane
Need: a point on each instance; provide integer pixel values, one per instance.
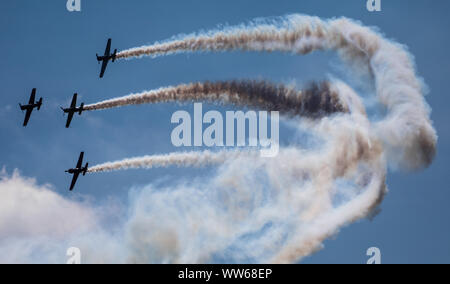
(77, 171)
(106, 58)
(73, 109)
(30, 106)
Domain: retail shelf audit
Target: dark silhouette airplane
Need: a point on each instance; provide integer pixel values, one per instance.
(77, 171)
(30, 106)
(106, 58)
(73, 109)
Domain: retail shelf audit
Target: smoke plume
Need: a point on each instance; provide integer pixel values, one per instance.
(317, 100)
(398, 87)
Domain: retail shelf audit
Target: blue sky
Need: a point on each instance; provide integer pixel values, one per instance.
(46, 47)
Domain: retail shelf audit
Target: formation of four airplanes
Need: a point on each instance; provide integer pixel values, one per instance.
(32, 104)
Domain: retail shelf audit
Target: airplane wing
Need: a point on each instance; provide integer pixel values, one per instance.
(106, 58)
(104, 64)
(69, 119)
(74, 181)
(27, 116)
(108, 48)
(32, 97)
(80, 160)
(74, 101)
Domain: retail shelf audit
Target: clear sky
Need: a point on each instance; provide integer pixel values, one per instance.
(46, 47)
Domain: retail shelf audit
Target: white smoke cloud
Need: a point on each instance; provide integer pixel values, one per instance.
(35, 218)
(21, 199)
(233, 217)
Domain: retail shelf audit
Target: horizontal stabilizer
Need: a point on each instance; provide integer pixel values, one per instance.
(81, 108)
(114, 55)
(39, 104)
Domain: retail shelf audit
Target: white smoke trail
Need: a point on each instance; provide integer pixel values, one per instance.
(397, 85)
(351, 153)
(189, 159)
(315, 101)
(406, 136)
(280, 210)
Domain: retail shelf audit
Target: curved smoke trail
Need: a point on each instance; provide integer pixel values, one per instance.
(397, 85)
(282, 209)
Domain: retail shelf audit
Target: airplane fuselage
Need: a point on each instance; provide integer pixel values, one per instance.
(106, 57)
(77, 170)
(31, 106)
(73, 171)
(73, 110)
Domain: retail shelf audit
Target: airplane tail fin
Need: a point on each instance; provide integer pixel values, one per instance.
(85, 169)
(81, 108)
(39, 104)
(114, 55)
